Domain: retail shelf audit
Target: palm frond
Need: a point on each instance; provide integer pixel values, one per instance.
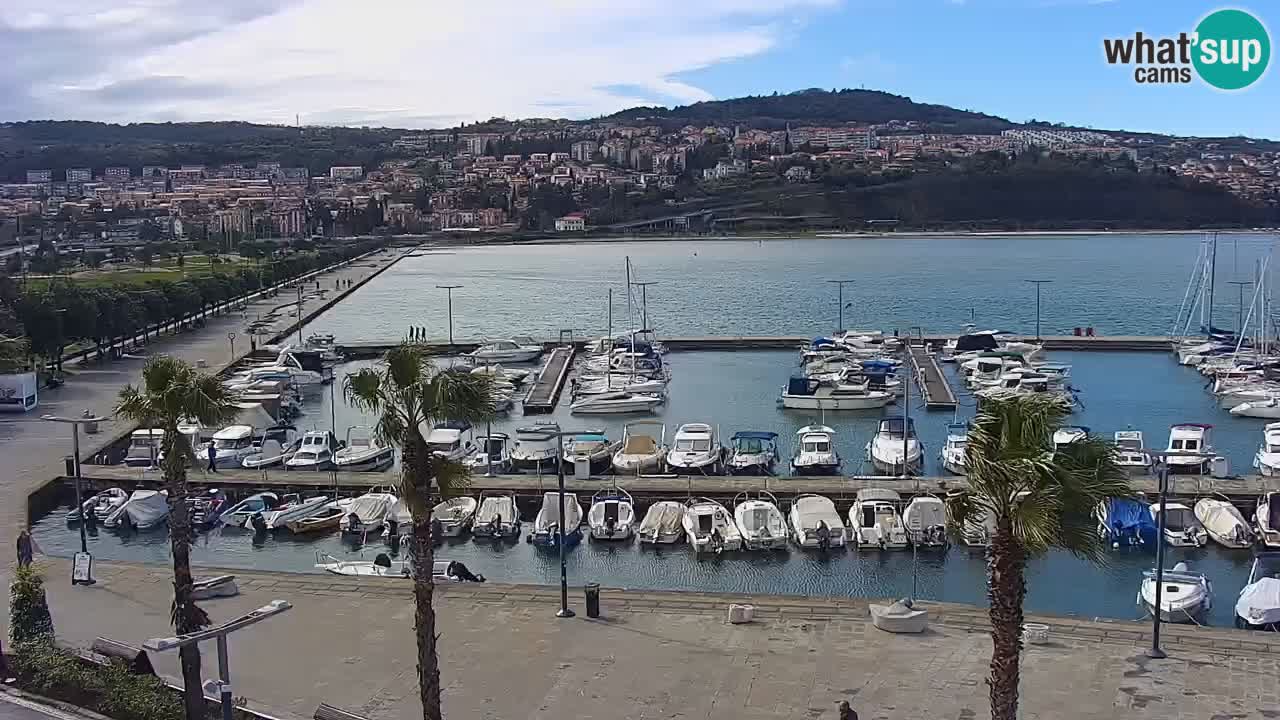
(458, 396)
(452, 478)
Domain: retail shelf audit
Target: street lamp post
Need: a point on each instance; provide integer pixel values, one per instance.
(87, 577)
(1038, 283)
(840, 284)
(450, 289)
(1159, 458)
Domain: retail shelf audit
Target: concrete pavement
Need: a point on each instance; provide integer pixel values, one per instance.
(664, 655)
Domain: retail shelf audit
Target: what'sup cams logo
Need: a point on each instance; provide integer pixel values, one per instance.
(1229, 50)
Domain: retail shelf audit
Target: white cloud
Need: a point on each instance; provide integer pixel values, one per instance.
(394, 62)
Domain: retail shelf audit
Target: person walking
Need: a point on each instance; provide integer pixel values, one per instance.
(26, 548)
(213, 458)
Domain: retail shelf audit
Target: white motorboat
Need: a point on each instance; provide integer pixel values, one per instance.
(752, 452)
(891, 443)
(1224, 523)
(1258, 607)
(1181, 528)
(612, 515)
(398, 520)
(1130, 453)
(953, 451)
(1267, 459)
(695, 449)
(615, 402)
(514, 350)
(803, 393)
(874, 519)
(978, 528)
(231, 445)
(1266, 518)
(497, 516)
(1064, 436)
(279, 443)
(1268, 408)
(455, 515)
(1189, 437)
(815, 523)
(759, 521)
(925, 518)
(364, 452)
(537, 447)
(1185, 597)
(381, 566)
(815, 451)
(446, 440)
(513, 376)
(239, 514)
(709, 527)
(493, 453)
(546, 527)
(368, 512)
(327, 517)
(641, 451)
(100, 506)
(144, 447)
(1233, 395)
(145, 509)
(596, 385)
(663, 524)
(592, 448)
(303, 509)
(314, 453)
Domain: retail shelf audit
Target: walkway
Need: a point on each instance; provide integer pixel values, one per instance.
(33, 449)
(664, 655)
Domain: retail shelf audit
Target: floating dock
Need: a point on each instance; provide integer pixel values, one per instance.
(645, 488)
(937, 391)
(545, 392)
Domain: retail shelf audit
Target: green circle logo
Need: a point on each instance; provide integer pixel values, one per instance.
(1232, 49)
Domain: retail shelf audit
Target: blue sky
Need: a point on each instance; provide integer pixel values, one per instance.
(1017, 59)
(433, 63)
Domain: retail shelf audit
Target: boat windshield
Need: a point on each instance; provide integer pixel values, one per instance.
(1178, 519)
(1189, 444)
(751, 446)
(306, 455)
(493, 446)
(1133, 445)
(959, 444)
(232, 443)
(817, 446)
(693, 445)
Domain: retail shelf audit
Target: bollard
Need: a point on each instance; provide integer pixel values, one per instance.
(592, 591)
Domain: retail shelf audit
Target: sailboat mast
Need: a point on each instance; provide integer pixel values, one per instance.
(1213, 274)
(608, 366)
(629, 291)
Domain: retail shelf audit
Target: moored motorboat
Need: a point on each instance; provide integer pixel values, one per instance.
(144, 447)
(752, 452)
(1266, 519)
(1186, 596)
(815, 523)
(874, 520)
(953, 451)
(326, 518)
(363, 452)
(1181, 528)
(1064, 436)
(1224, 523)
(895, 440)
(451, 440)
(514, 350)
(803, 393)
(643, 448)
(315, 452)
(497, 516)
(590, 448)
(710, 527)
(695, 450)
(1258, 607)
(299, 509)
(238, 515)
(145, 509)
(1267, 459)
(100, 506)
(1267, 408)
(367, 513)
(1126, 521)
(815, 451)
(925, 519)
(612, 515)
(663, 524)
(455, 515)
(759, 521)
(537, 447)
(1189, 438)
(616, 402)
(546, 527)
(1130, 453)
(493, 454)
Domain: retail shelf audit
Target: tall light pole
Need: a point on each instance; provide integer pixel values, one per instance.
(1240, 286)
(75, 424)
(1038, 283)
(644, 302)
(840, 284)
(449, 288)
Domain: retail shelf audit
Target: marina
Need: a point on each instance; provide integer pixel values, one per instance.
(935, 387)
(545, 391)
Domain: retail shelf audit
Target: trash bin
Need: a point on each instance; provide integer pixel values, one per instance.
(592, 591)
(90, 428)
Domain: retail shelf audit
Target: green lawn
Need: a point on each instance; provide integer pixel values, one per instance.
(134, 275)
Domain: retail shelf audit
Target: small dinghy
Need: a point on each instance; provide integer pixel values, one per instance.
(1185, 598)
(1224, 523)
(760, 521)
(297, 510)
(368, 512)
(1258, 607)
(815, 523)
(455, 515)
(238, 515)
(875, 521)
(612, 515)
(497, 516)
(215, 587)
(663, 524)
(381, 566)
(100, 506)
(710, 527)
(327, 518)
(546, 527)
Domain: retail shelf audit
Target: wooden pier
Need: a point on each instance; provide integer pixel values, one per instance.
(545, 391)
(934, 385)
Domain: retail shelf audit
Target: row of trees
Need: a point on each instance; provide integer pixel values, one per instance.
(62, 311)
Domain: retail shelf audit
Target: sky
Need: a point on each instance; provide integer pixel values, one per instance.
(434, 63)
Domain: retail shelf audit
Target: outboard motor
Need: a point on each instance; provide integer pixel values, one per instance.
(383, 561)
(393, 542)
(352, 521)
(259, 523)
(393, 528)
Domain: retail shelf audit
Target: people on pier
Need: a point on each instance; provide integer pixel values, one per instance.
(462, 573)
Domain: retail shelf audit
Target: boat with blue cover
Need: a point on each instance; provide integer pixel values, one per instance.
(1125, 522)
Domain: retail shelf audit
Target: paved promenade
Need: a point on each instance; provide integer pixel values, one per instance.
(668, 655)
(33, 449)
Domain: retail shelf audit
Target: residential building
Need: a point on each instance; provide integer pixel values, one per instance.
(79, 175)
(346, 172)
(1054, 139)
(39, 176)
(582, 151)
(117, 173)
(573, 222)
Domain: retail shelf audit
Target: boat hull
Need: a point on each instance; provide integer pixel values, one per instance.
(807, 402)
(815, 469)
(547, 464)
(543, 538)
(617, 532)
(381, 461)
(635, 464)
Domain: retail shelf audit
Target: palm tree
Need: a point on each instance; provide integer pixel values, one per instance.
(406, 393)
(1035, 498)
(173, 391)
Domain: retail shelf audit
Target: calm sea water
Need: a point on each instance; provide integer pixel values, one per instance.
(737, 391)
(1117, 283)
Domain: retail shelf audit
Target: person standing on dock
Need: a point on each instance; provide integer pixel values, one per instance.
(213, 458)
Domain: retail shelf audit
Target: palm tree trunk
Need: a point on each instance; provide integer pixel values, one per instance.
(187, 616)
(1006, 589)
(417, 460)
